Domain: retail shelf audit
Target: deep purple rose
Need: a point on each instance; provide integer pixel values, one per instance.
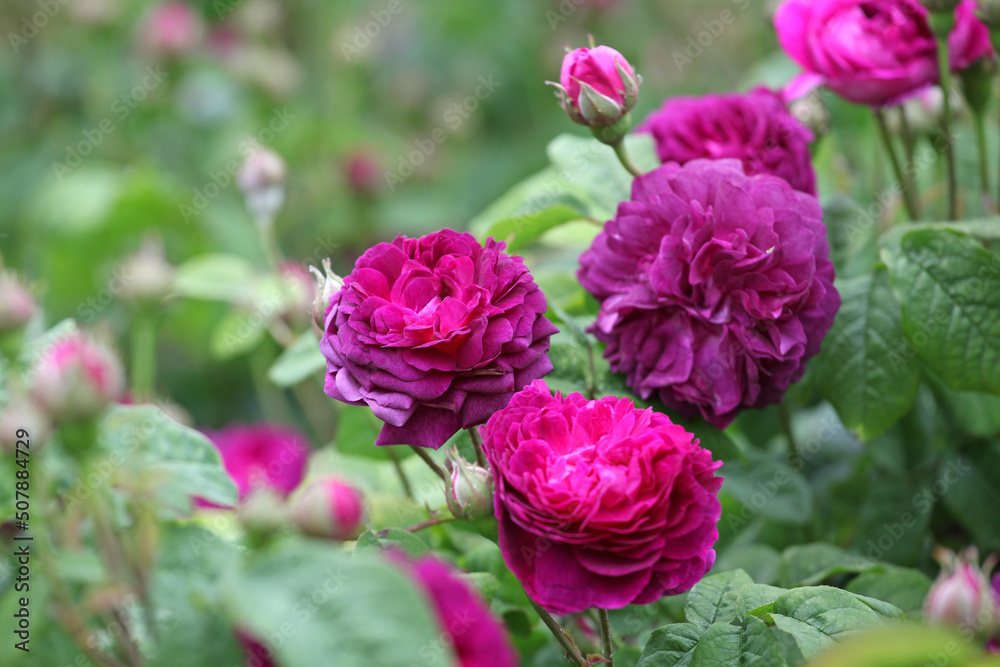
(600, 504)
(261, 456)
(435, 334)
(755, 128)
(969, 41)
(873, 52)
(715, 287)
(475, 636)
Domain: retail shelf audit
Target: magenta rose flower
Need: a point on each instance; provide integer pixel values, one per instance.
(715, 287)
(755, 128)
(475, 636)
(261, 455)
(600, 504)
(873, 52)
(435, 334)
(597, 86)
(969, 41)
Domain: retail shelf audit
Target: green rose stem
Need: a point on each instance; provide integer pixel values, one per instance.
(910, 200)
(785, 414)
(143, 355)
(906, 133)
(426, 524)
(431, 463)
(477, 444)
(979, 123)
(561, 635)
(625, 158)
(942, 23)
(403, 479)
(977, 87)
(602, 614)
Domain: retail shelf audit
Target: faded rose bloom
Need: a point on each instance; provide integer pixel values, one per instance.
(329, 508)
(600, 504)
(715, 287)
(435, 334)
(873, 52)
(969, 41)
(755, 128)
(597, 86)
(261, 455)
(76, 378)
(475, 636)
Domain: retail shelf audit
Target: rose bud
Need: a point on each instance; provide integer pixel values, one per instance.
(17, 305)
(362, 173)
(171, 29)
(148, 276)
(470, 493)
(469, 630)
(597, 88)
(76, 379)
(962, 596)
(329, 508)
(969, 42)
(299, 294)
(262, 180)
(264, 513)
(599, 503)
(20, 414)
(326, 287)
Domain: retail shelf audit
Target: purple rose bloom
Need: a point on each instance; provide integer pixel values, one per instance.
(261, 455)
(435, 334)
(755, 128)
(969, 41)
(715, 287)
(873, 52)
(600, 504)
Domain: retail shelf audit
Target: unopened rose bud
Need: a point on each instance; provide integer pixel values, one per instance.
(362, 173)
(148, 276)
(171, 29)
(17, 305)
(21, 420)
(329, 508)
(264, 512)
(598, 88)
(328, 284)
(76, 379)
(262, 180)
(470, 493)
(924, 111)
(299, 294)
(962, 596)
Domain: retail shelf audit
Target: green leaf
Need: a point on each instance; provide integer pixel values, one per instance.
(817, 616)
(809, 564)
(301, 360)
(713, 599)
(671, 646)
(754, 596)
(216, 277)
(903, 587)
(860, 370)
(153, 452)
(520, 230)
(903, 645)
(327, 609)
(725, 645)
(969, 484)
(949, 289)
(390, 538)
(238, 333)
(769, 487)
(357, 430)
(536, 193)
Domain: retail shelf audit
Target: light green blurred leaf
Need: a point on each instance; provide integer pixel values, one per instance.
(296, 364)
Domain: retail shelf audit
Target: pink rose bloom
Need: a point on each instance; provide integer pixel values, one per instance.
(261, 455)
(873, 52)
(715, 287)
(600, 504)
(755, 128)
(171, 28)
(969, 41)
(435, 334)
(593, 89)
(962, 597)
(475, 636)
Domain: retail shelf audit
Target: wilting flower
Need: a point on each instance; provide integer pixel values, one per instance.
(475, 636)
(597, 86)
(329, 508)
(962, 596)
(715, 287)
(969, 41)
(76, 378)
(873, 52)
(435, 334)
(262, 455)
(755, 128)
(600, 504)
